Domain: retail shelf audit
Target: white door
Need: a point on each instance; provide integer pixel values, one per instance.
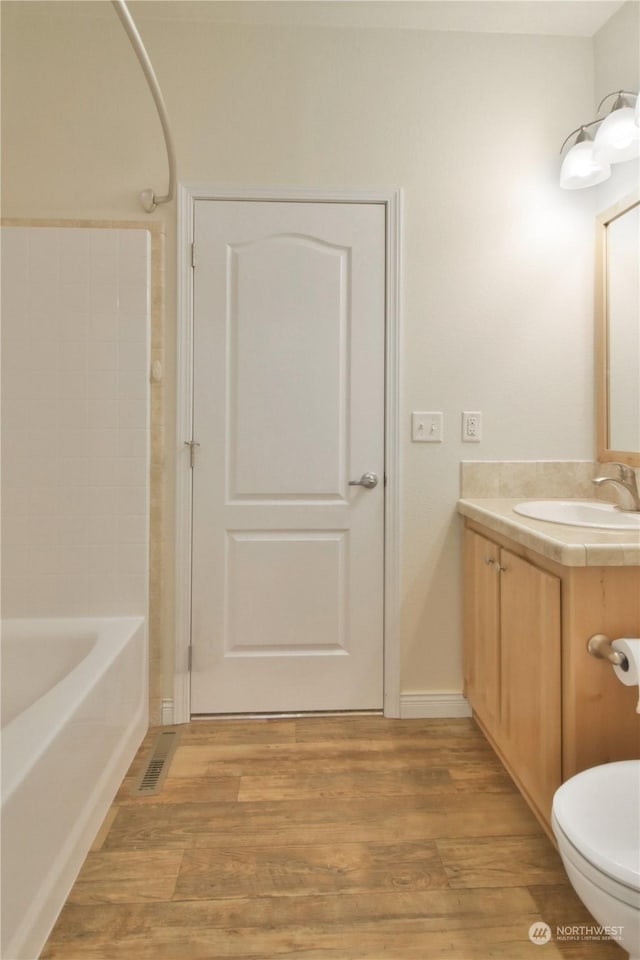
(289, 334)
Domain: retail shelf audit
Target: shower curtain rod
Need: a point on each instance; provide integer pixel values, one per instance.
(148, 198)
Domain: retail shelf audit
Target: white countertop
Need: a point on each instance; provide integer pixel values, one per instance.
(572, 546)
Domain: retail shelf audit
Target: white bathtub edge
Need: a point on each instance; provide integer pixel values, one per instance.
(34, 924)
(37, 926)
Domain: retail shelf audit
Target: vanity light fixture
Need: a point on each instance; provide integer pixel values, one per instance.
(618, 137)
(588, 161)
(580, 168)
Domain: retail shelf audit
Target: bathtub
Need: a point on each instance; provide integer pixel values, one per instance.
(74, 711)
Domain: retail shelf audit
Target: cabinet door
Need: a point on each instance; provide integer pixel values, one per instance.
(482, 630)
(531, 712)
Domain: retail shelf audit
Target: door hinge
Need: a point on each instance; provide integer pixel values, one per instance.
(192, 444)
(193, 254)
(189, 658)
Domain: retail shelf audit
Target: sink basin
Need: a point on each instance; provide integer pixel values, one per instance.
(580, 513)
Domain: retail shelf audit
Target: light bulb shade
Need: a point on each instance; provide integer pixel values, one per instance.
(581, 169)
(618, 137)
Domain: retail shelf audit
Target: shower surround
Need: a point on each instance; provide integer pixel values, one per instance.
(75, 431)
(75, 550)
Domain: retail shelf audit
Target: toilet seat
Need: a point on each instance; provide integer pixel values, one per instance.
(592, 874)
(598, 811)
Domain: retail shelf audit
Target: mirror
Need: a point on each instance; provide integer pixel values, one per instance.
(617, 314)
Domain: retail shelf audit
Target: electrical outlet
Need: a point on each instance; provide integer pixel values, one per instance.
(471, 426)
(426, 427)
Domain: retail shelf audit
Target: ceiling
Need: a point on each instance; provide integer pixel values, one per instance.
(572, 18)
(580, 18)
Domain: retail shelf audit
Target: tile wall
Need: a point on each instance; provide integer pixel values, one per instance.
(528, 478)
(75, 421)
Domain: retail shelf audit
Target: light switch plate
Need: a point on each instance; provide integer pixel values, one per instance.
(427, 427)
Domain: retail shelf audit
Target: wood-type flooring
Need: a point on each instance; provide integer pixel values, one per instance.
(324, 838)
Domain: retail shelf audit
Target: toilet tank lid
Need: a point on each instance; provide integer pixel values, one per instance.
(599, 811)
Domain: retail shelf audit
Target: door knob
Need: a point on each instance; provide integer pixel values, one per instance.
(368, 480)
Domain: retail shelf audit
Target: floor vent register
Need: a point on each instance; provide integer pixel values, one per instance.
(157, 765)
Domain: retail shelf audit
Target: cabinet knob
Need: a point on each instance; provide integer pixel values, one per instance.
(489, 561)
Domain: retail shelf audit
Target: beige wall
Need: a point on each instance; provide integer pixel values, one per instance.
(617, 67)
(497, 298)
(617, 61)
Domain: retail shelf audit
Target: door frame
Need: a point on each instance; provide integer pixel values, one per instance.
(188, 195)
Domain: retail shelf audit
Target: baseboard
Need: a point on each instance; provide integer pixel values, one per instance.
(413, 705)
(166, 713)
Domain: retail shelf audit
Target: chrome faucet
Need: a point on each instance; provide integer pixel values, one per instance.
(626, 480)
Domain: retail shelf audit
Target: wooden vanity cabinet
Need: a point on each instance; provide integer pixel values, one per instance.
(548, 708)
(512, 663)
(482, 662)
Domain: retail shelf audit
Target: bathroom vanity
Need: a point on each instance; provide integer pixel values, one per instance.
(534, 592)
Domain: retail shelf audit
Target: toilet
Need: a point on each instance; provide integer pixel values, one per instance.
(596, 821)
